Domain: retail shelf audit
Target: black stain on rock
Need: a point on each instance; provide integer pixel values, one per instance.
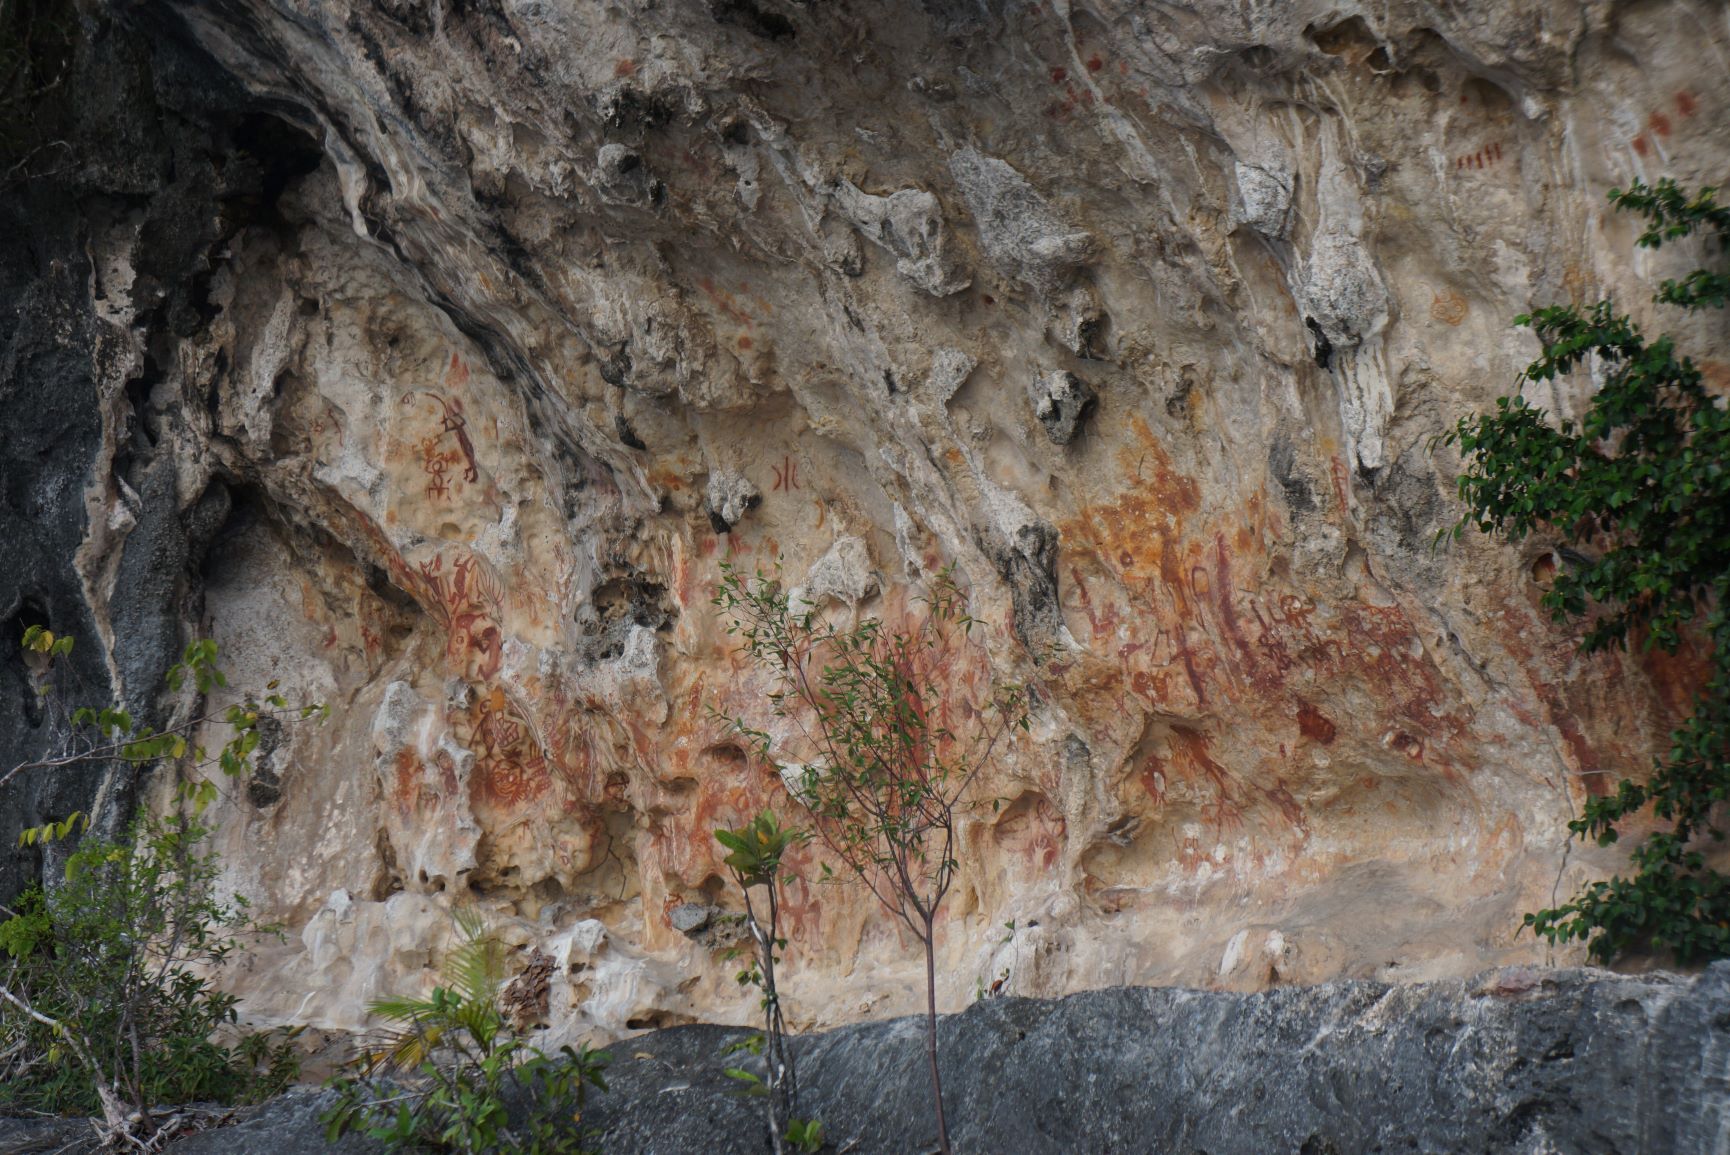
(1324, 347)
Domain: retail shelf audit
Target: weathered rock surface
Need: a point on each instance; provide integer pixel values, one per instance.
(432, 357)
(1521, 1060)
(1514, 1062)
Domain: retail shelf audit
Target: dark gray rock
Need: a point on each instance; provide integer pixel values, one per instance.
(143, 137)
(1061, 402)
(31, 1136)
(1521, 1061)
(66, 157)
(690, 917)
(287, 1125)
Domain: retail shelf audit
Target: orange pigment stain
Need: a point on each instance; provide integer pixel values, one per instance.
(726, 302)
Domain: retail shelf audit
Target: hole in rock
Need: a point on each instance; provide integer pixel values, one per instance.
(656, 1020)
(283, 152)
(1350, 39)
(1258, 57)
(618, 604)
(1481, 92)
(142, 426)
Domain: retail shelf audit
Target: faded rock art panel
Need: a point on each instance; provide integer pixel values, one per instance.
(1144, 321)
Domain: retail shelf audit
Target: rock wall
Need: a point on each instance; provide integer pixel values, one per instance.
(446, 350)
(1515, 1062)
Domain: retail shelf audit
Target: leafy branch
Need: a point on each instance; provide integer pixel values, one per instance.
(1642, 484)
(99, 734)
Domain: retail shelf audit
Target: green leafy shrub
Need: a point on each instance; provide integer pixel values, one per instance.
(107, 987)
(1641, 484)
(107, 1004)
(444, 1076)
(757, 858)
(891, 741)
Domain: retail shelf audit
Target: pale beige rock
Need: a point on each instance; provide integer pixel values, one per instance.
(588, 298)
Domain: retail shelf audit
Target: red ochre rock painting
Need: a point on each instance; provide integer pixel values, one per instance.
(450, 447)
(465, 599)
(511, 765)
(1259, 694)
(1659, 125)
(1486, 157)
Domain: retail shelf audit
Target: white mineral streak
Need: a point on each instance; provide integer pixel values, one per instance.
(1144, 317)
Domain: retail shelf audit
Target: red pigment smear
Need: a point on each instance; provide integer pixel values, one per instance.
(1641, 145)
(744, 342)
(1686, 104)
(1094, 63)
(625, 67)
(1315, 725)
(1659, 123)
(1059, 75)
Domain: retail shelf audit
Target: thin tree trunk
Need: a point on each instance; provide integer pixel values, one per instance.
(777, 1103)
(931, 1039)
(116, 1118)
(774, 1056)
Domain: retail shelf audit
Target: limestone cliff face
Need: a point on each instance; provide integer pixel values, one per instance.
(528, 314)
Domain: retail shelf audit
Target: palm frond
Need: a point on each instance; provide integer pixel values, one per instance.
(475, 970)
(402, 1050)
(465, 1004)
(402, 1009)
